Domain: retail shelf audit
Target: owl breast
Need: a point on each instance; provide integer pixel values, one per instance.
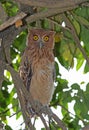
(42, 84)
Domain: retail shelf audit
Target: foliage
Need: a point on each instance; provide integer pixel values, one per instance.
(65, 52)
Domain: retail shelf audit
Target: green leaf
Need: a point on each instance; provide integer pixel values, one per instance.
(75, 86)
(43, 129)
(7, 127)
(64, 111)
(66, 53)
(83, 12)
(79, 63)
(20, 42)
(77, 26)
(13, 52)
(57, 28)
(82, 20)
(8, 75)
(68, 35)
(10, 7)
(84, 36)
(15, 104)
(18, 115)
(57, 69)
(87, 88)
(77, 107)
(86, 68)
(45, 24)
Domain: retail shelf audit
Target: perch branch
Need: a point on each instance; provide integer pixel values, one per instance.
(51, 115)
(52, 3)
(21, 91)
(12, 20)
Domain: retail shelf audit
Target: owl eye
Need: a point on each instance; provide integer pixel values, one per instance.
(46, 38)
(35, 37)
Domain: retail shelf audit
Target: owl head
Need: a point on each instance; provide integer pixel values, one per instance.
(41, 38)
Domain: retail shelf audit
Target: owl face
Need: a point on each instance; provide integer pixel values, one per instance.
(41, 38)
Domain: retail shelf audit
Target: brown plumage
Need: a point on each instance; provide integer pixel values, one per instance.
(37, 65)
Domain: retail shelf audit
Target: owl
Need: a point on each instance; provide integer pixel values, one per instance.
(37, 69)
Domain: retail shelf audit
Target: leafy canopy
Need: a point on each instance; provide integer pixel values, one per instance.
(65, 51)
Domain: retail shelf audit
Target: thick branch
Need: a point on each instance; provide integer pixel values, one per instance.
(52, 3)
(12, 20)
(2, 66)
(48, 13)
(86, 127)
(22, 92)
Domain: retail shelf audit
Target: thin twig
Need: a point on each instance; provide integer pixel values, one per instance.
(3, 112)
(44, 121)
(15, 113)
(56, 23)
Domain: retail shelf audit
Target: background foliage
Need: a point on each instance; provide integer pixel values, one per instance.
(65, 51)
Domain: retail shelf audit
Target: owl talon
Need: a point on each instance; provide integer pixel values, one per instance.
(30, 110)
(44, 109)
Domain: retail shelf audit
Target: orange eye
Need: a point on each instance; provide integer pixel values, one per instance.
(35, 37)
(46, 38)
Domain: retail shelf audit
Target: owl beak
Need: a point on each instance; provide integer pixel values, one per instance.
(41, 44)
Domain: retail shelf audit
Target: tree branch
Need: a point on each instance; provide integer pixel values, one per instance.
(52, 3)
(48, 13)
(2, 66)
(62, 7)
(39, 109)
(56, 7)
(44, 121)
(12, 20)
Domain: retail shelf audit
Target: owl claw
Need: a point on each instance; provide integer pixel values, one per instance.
(34, 110)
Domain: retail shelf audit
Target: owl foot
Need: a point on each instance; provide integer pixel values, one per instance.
(35, 109)
(30, 111)
(46, 110)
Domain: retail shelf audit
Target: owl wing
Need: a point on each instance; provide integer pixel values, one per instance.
(29, 77)
(25, 70)
(54, 74)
